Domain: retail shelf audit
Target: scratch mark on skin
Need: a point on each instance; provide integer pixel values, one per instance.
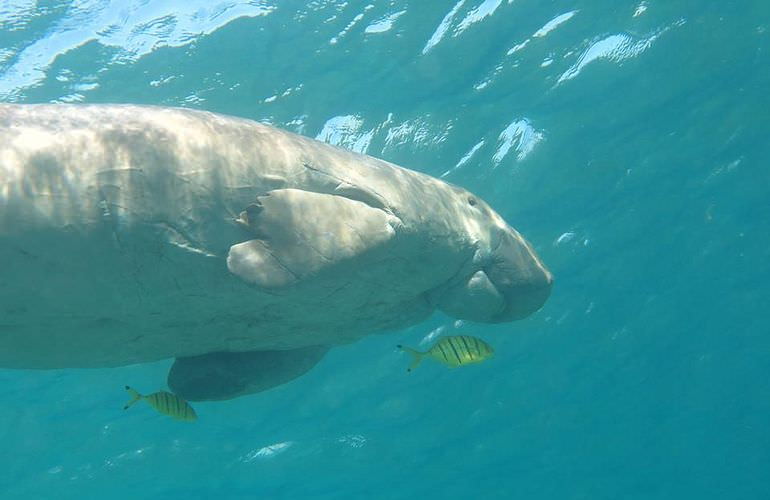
(121, 169)
(183, 240)
(280, 263)
(335, 291)
(27, 254)
(369, 196)
(307, 243)
(355, 231)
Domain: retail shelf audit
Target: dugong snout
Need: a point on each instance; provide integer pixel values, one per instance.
(519, 276)
(508, 282)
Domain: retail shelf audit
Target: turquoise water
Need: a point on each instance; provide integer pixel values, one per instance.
(626, 140)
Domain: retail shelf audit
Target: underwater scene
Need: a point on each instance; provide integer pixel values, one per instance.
(332, 249)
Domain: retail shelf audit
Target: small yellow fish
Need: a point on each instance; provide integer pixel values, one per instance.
(453, 351)
(166, 403)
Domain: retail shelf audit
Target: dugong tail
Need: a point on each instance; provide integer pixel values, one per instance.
(416, 356)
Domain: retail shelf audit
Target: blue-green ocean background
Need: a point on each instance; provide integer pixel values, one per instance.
(627, 140)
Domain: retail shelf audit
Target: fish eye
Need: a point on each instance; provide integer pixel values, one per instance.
(472, 201)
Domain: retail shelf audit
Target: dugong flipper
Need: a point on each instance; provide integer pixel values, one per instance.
(226, 375)
(301, 234)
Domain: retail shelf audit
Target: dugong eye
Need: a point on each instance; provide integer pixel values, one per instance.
(472, 201)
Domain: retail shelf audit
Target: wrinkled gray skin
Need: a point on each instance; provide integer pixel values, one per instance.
(131, 234)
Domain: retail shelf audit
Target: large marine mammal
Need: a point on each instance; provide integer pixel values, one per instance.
(134, 233)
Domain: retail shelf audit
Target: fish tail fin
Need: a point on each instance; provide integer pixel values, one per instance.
(135, 396)
(416, 356)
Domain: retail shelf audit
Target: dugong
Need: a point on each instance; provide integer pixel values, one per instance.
(131, 234)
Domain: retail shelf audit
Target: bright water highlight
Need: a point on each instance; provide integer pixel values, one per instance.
(625, 139)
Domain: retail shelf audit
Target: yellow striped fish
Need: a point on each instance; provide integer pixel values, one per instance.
(166, 403)
(453, 351)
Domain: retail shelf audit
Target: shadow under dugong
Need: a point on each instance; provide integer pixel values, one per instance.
(131, 234)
